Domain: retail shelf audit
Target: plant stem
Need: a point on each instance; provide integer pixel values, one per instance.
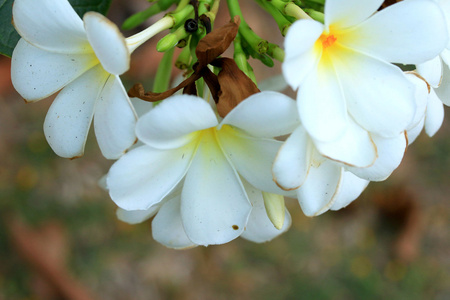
(282, 22)
(258, 44)
(140, 17)
(162, 77)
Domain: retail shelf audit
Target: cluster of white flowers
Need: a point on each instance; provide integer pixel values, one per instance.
(208, 179)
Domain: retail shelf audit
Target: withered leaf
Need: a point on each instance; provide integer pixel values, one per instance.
(235, 86)
(138, 90)
(216, 42)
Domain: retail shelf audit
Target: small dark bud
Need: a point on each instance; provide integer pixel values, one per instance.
(191, 25)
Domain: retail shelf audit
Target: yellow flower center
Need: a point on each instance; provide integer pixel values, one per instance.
(327, 40)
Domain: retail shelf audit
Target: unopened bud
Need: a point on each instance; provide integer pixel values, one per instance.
(167, 42)
(275, 209)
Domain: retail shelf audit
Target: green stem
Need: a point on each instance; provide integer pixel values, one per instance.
(239, 56)
(212, 13)
(316, 15)
(162, 77)
(184, 59)
(204, 6)
(200, 84)
(182, 5)
(321, 2)
(251, 74)
(138, 18)
(258, 44)
(282, 22)
(181, 15)
(241, 59)
(276, 52)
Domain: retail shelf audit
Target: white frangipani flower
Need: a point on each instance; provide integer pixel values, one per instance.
(167, 226)
(58, 51)
(342, 71)
(184, 140)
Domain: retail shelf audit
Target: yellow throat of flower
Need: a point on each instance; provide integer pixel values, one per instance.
(327, 40)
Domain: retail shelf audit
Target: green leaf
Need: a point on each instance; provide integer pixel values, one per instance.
(83, 6)
(8, 35)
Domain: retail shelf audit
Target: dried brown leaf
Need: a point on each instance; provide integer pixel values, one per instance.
(235, 86)
(216, 42)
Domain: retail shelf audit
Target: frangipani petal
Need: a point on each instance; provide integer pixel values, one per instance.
(214, 205)
(379, 96)
(390, 154)
(50, 25)
(434, 115)
(431, 70)
(266, 115)
(318, 193)
(37, 73)
(136, 216)
(167, 226)
(350, 189)
(445, 6)
(144, 176)
(68, 120)
(114, 120)
(443, 92)
(445, 56)
(422, 90)
(343, 14)
(321, 102)
(259, 228)
(293, 160)
(252, 157)
(141, 107)
(354, 148)
(393, 36)
(415, 131)
(302, 54)
(108, 43)
(174, 122)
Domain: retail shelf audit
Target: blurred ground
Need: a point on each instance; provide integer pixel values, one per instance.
(60, 239)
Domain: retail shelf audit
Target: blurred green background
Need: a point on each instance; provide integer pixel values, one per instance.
(60, 239)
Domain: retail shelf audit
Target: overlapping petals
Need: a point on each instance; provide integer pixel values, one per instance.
(429, 108)
(207, 159)
(168, 226)
(318, 181)
(58, 51)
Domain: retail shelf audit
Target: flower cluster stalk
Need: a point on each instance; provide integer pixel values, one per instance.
(184, 59)
(140, 17)
(281, 20)
(162, 77)
(258, 44)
